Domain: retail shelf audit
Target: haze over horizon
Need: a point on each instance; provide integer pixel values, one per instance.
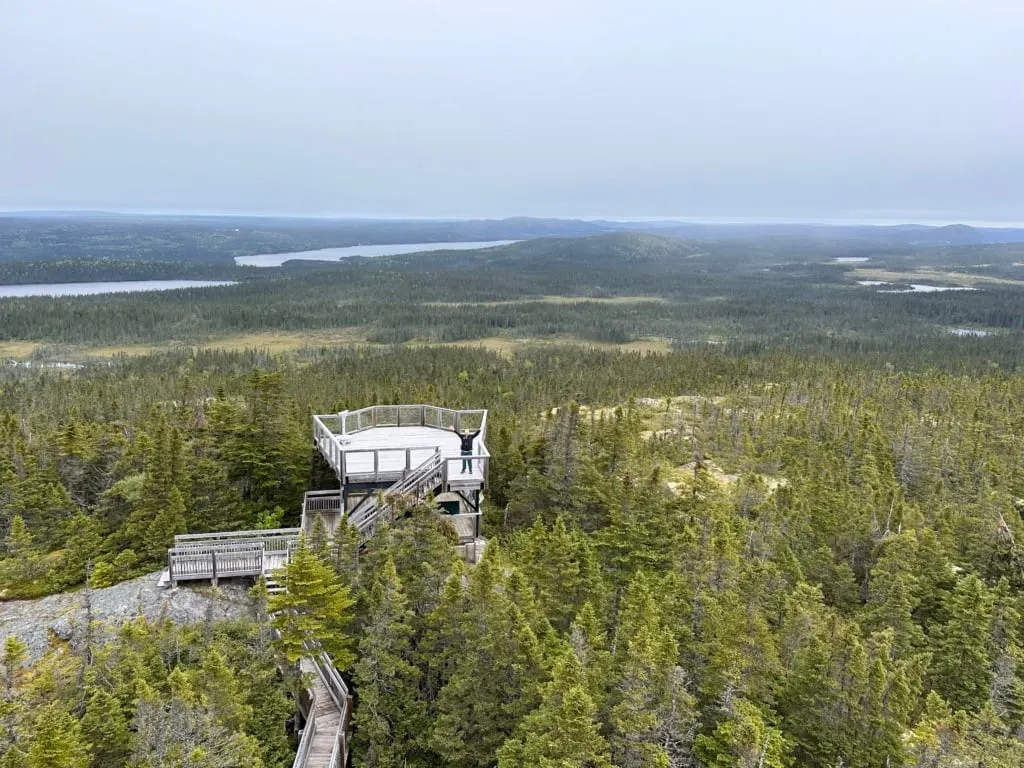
(858, 112)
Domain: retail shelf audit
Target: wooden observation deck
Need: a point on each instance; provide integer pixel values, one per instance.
(385, 454)
(383, 457)
(384, 443)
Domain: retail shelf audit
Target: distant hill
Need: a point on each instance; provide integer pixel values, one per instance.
(611, 249)
(898, 235)
(218, 239)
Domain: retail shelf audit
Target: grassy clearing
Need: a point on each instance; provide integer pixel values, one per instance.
(289, 342)
(268, 342)
(549, 300)
(17, 349)
(507, 346)
(932, 275)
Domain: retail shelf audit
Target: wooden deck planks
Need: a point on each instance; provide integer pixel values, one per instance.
(391, 444)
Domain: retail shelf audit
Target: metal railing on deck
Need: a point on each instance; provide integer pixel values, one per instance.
(350, 422)
(332, 433)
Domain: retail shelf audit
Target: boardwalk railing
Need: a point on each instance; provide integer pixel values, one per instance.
(274, 539)
(322, 501)
(308, 734)
(328, 507)
(333, 686)
(215, 556)
(332, 680)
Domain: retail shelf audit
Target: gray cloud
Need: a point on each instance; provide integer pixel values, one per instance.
(746, 108)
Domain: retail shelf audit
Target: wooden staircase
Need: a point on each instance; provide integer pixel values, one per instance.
(427, 479)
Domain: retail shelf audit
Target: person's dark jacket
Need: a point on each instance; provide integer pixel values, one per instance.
(467, 439)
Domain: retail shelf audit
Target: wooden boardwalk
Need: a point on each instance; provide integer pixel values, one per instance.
(325, 739)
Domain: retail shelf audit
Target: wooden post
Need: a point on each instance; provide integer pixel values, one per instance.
(213, 559)
(408, 459)
(423, 415)
(170, 569)
(457, 415)
(376, 460)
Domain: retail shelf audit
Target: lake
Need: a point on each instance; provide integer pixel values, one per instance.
(336, 254)
(916, 287)
(90, 289)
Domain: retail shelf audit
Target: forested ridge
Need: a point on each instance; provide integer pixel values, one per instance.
(218, 239)
(608, 289)
(697, 559)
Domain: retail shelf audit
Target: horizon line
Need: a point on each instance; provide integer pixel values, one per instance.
(626, 219)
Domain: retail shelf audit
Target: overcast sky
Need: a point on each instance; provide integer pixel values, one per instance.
(791, 109)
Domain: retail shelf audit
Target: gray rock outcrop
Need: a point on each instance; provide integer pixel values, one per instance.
(62, 617)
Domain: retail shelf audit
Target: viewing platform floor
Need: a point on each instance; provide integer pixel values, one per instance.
(387, 452)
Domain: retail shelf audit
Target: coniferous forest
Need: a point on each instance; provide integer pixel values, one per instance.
(800, 546)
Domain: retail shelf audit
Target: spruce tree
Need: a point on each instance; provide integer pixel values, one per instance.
(893, 594)
(390, 715)
(744, 739)
(220, 692)
(57, 740)
(563, 731)
(168, 521)
(23, 565)
(315, 610)
(495, 669)
(961, 669)
(105, 729)
(652, 714)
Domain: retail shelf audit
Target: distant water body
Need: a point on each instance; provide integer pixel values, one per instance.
(337, 254)
(91, 289)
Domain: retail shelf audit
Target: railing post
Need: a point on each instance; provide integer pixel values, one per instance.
(423, 415)
(457, 427)
(376, 464)
(213, 560)
(373, 416)
(408, 459)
